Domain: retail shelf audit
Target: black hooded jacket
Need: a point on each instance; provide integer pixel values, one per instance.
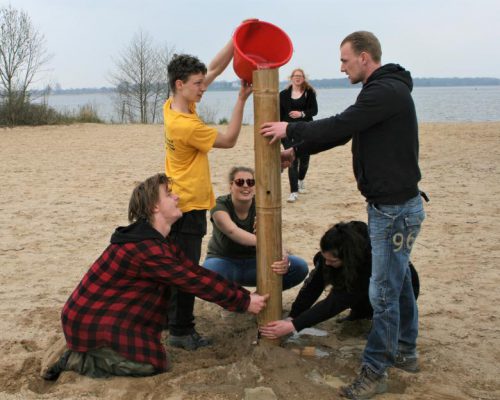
(136, 232)
(383, 127)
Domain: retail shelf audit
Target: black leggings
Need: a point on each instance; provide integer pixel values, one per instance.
(297, 171)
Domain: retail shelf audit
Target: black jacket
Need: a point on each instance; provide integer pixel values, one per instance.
(310, 108)
(322, 276)
(383, 126)
(306, 311)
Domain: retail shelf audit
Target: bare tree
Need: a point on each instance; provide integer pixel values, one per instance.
(162, 88)
(141, 80)
(22, 54)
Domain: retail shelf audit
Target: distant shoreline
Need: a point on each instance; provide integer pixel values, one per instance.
(460, 103)
(317, 83)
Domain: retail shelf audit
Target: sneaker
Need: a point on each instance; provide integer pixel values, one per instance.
(302, 187)
(189, 342)
(293, 197)
(366, 385)
(405, 363)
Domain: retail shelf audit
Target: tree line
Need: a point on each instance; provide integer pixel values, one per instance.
(317, 83)
(344, 83)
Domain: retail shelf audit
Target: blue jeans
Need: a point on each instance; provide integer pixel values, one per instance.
(244, 270)
(393, 230)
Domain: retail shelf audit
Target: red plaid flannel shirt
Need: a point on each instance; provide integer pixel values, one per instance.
(122, 300)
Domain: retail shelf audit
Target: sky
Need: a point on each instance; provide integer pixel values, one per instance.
(430, 38)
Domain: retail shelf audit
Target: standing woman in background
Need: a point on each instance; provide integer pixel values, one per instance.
(297, 103)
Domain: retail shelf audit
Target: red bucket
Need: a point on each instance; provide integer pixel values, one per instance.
(259, 45)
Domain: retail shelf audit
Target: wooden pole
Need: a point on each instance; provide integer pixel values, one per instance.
(267, 194)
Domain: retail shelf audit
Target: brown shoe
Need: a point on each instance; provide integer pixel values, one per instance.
(366, 385)
(55, 370)
(405, 363)
(189, 342)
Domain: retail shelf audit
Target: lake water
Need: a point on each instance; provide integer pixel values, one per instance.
(434, 104)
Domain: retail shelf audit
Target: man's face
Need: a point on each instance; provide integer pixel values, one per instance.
(167, 205)
(351, 64)
(192, 90)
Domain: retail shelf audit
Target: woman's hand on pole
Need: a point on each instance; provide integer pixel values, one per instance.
(281, 267)
(276, 329)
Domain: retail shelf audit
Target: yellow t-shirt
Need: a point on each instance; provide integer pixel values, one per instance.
(187, 141)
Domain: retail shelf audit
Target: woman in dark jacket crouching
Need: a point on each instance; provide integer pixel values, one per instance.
(344, 263)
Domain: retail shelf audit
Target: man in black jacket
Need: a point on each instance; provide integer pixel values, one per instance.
(382, 124)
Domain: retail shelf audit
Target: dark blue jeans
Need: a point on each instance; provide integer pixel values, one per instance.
(393, 230)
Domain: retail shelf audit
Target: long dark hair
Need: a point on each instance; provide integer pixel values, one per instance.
(351, 243)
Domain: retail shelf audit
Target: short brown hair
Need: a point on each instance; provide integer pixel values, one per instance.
(364, 41)
(145, 196)
(181, 67)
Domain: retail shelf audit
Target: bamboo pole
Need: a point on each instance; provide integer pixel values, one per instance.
(267, 194)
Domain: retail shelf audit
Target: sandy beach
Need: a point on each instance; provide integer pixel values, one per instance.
(66, 188)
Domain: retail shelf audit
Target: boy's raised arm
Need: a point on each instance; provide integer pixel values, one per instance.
(219, 63)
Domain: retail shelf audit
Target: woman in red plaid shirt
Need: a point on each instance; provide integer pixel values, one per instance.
(114, 318)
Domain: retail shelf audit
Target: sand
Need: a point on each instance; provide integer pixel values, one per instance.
(64, 190)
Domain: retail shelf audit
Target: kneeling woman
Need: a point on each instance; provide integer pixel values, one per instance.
(344, 263)
(231, 249)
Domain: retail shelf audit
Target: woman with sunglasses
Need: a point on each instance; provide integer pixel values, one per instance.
(344, 263)
(231, 249)
(297, 103)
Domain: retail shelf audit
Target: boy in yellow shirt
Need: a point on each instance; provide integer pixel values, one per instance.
(187, 143)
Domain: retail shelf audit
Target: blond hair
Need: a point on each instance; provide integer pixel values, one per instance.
(305, 85)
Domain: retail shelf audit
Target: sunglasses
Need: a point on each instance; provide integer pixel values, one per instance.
(240, 182)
